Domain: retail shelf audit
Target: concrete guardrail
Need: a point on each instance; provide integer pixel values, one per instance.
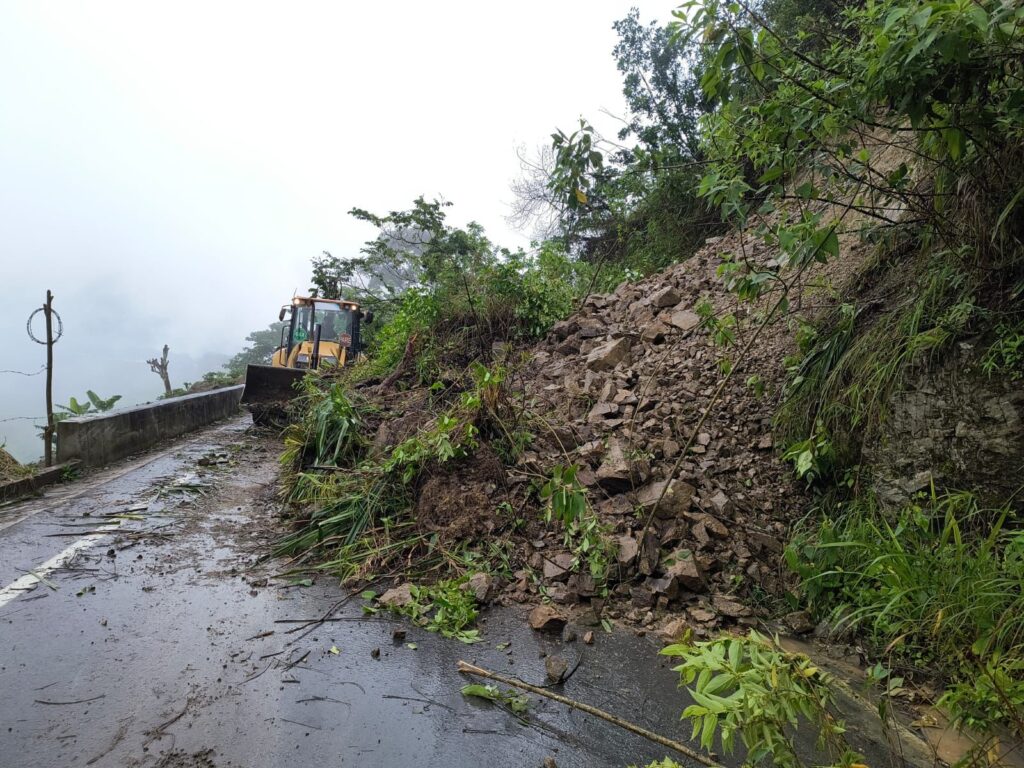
(105, 437)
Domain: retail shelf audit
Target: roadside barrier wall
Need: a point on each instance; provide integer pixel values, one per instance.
(101, 438)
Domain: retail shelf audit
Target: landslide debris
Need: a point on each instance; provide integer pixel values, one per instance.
(480, 470)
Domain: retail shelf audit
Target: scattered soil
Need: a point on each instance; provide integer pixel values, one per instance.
(10, 469)
(179, 759)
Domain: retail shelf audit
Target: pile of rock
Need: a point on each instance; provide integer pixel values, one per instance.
(622, 386)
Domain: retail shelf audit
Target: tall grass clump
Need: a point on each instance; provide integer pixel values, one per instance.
(938, 585)
(354, 507)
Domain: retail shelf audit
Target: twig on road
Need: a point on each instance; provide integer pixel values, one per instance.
(76, 701)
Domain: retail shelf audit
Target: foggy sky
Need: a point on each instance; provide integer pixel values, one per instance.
(169, 170)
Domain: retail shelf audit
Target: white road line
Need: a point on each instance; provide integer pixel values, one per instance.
(29, 580)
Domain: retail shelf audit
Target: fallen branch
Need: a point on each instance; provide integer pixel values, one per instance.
(403, 365)
(470, 669)
(76, 701)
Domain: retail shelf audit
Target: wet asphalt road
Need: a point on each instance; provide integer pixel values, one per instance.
(164, 643)
(141, 626)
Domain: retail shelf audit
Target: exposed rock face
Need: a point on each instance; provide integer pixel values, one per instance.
(953, 425)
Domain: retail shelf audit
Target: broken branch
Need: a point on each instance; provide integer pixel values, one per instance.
(470, 669)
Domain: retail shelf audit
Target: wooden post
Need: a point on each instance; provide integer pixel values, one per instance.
(48, 432)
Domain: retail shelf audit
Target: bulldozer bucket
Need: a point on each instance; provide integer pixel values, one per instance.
(265, 384)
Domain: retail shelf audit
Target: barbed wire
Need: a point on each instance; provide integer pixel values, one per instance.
(23, 373)
(23, 418)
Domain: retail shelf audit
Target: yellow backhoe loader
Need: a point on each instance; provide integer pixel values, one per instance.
(318, 333)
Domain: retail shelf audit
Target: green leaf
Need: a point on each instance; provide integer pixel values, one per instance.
(954, 138)
(894, 15)
(806, 191)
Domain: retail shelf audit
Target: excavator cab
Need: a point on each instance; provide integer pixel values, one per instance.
(318, 333)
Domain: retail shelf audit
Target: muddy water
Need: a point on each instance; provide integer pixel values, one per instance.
(167, 644)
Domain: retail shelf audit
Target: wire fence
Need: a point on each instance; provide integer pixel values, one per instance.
(27, 373)
(42, 369)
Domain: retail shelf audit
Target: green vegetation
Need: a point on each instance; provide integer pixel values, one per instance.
(939, 586)
(890, 128)
(75, 407)
(750, 687)
(359, 504)
(898, 126)
(447, 293)
(443, 607)
(807, 147)
(516, 703)
(565, 501)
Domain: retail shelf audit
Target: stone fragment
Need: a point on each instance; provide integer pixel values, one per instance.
(703, 615)
(684, 567)
(677, 498)
(800, 622)
(601, 411)
(557, 568)
(565, 328)
(650, 552)
(666, 297)
(588, 637)
(546, 618)
(674, 631)
(588, 616)
(479, 585)
(608, 355)
(617, 473)
(729, 607)
(722, 504)
(655, 332)
(628, 550)
(583, 583)
(641, 596)
(555, 667)
(666, 585)
(684, 320)
(399, 597)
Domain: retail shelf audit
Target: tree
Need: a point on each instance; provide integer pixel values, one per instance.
(159, 367)
(259, 350)
(415, 248)
(660, 86)
(631, 205)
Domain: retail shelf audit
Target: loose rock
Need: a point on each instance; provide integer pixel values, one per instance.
(546, 618)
